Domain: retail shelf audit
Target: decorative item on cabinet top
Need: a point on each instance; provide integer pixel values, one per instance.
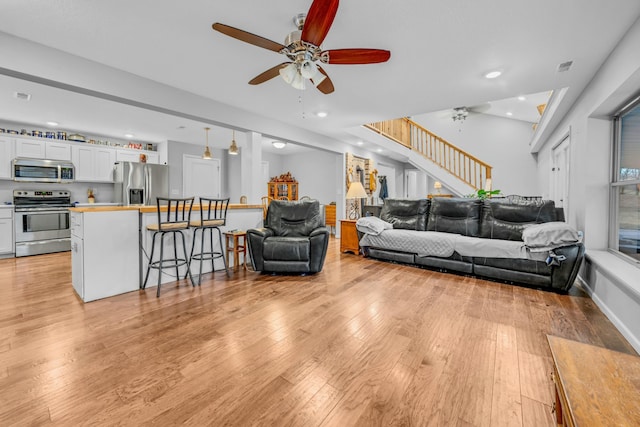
(76, 137)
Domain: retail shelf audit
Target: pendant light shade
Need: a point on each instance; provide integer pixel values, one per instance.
(207, 153)
(233, 148)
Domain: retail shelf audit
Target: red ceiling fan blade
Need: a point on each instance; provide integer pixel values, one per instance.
(356, 56)
(268, 75)
(319, 20)
(247, 37)
(325, 86)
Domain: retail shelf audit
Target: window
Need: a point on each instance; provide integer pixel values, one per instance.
(625, 188)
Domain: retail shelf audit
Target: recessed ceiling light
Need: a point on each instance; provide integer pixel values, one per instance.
(53, 123)
(360, 143)
(522, 98)
(379, 150)
(321, 114)
(279, 144)
(129, 135)
(493, 74)
(509, 113)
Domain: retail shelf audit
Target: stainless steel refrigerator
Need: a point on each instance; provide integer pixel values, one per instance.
(140, 183)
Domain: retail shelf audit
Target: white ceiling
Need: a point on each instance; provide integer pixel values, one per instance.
(439, 54)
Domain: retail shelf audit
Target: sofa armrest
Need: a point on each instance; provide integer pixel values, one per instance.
(255, 242)
(563, 276)
(318, 243)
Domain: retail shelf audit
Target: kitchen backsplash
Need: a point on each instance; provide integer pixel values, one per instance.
(103, 192)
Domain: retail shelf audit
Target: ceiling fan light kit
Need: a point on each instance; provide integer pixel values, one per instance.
(460, 114)
(302, 48)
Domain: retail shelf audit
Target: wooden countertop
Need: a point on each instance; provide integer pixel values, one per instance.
(150, 209)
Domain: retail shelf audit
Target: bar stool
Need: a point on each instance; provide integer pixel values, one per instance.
(213, 215)
(176, 220)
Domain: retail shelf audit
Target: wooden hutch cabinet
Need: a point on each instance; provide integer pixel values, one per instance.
(283, 190)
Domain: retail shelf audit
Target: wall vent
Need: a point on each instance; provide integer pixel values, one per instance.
(565, 66)
(23, 96)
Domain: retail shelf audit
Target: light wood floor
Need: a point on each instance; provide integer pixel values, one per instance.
(361, 343)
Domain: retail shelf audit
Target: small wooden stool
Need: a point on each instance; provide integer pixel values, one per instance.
(239, 239)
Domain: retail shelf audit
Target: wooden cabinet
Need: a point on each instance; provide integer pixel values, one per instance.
(283, 190)
(330, 216)
(7, 153)
(349, 236)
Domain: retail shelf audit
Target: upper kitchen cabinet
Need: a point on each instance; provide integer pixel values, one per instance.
(7, 153)
(43, 149)
(93, 163)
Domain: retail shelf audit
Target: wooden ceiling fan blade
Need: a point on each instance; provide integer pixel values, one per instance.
(268, 75)
(357, 56)
(319, 20)
(325, 86)
(247, 37)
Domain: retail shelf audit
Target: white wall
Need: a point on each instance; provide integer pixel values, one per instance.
(502, 143)
(315, 174)
(611, 281)
(176, 150)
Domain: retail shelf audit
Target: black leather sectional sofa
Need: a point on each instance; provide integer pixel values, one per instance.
(491, 220)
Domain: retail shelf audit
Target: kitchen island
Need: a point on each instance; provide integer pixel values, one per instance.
(110, 246)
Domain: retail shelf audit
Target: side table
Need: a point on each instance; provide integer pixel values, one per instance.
(349, 236)
(595, 386)
(236, 242)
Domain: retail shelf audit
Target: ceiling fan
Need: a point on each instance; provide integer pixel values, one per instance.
(302, 48)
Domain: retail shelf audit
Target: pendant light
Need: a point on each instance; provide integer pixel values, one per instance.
(233, 148)
(207, 152)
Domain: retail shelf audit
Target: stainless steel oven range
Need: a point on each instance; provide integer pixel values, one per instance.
(42, 221)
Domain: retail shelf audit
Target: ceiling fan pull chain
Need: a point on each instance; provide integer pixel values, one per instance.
(301, 102)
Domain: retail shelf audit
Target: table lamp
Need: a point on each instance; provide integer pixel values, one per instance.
(356, 191)
(437, 185)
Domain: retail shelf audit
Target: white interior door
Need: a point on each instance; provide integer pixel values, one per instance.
(560, 174)
(411, 187)
(200, 177)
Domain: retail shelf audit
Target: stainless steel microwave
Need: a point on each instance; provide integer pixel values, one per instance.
(42, 170)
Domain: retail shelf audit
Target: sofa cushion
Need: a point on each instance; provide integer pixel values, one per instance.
(406, 214)
(299, 218)
(286, 248)
(507, 221)
(460, 216)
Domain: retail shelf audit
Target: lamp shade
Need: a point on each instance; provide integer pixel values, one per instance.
(437, 185)
(356, 191)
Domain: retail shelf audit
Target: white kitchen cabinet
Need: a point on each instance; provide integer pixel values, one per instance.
(6, 231)
(83, 158)
(104, 253)
(7, 154)
(30, 148)
(93, 163)
(105, 158)
(127, 156)
(43, 149)
(57, 150)
(153, 158)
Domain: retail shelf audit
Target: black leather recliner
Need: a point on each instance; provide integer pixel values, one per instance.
(293, 240)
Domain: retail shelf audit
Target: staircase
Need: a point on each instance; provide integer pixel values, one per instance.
(462, 165)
